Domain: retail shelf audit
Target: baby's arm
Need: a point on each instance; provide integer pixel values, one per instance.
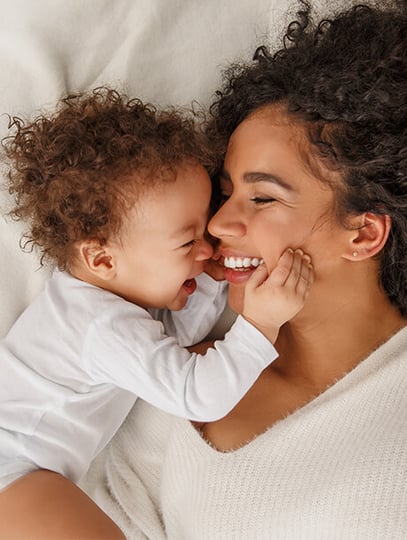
(136, 355)
(271, 301)
(154, 367)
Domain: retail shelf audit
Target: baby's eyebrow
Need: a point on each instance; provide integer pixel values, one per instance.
(188, 228)
(182, 231)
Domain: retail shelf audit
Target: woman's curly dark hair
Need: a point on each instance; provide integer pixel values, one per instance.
(345, 80)
(76, 172)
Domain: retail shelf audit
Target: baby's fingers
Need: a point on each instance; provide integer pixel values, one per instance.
(305, 278)
(257, 278)
(281, 272)
(301, 274)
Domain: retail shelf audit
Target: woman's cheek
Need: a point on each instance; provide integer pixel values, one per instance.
(268, 241)
(270, 250)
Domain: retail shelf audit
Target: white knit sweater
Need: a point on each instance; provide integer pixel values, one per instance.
(334, 469)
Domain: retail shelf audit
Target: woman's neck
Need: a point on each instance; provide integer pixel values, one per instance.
(316, 349)
(327, 340)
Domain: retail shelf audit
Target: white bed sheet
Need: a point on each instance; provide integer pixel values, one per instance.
(168, 52)
(164, 51)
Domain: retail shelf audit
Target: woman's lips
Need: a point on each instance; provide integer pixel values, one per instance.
(240, 275)
(231, 266)
(239, 268)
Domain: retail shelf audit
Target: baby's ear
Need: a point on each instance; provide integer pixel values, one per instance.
(368, 236)
(97, 259)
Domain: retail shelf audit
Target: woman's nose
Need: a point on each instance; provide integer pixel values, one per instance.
(204, 250)
(226, 222)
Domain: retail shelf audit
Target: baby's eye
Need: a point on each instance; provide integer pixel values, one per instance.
(189, 244)
(262, 200)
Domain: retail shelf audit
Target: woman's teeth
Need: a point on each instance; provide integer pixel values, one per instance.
(245, 262)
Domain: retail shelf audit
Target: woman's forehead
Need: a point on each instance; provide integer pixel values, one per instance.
(271, 137)
(265, 136)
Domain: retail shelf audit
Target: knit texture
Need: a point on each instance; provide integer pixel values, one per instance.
(336, 469)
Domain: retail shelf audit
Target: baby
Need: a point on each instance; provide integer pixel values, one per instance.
(118, 196)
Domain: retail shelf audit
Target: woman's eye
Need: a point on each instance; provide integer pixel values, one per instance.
(262, 200)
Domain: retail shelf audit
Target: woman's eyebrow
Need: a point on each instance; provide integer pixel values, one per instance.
(253, 177)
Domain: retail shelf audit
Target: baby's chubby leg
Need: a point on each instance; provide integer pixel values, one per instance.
(45, 505)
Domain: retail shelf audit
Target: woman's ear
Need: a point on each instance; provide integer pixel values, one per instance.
(97, 259)
(368, 237)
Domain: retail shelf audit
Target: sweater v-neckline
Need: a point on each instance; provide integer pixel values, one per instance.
(374, 361)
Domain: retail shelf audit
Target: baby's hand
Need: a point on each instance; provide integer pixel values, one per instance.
(271, 301)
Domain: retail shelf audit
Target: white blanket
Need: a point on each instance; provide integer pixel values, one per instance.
(163, 51)
(168, 52)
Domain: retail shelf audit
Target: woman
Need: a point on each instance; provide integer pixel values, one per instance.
(317, 449)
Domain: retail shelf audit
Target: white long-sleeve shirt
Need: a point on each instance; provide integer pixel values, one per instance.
(335, 469)
(75, 361)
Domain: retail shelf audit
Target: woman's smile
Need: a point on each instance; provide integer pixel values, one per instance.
(241, 263)
(237, 267)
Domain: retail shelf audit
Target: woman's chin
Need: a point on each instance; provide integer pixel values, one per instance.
(236, 297)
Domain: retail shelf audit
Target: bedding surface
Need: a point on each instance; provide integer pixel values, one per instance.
(167, 52)
(163, 52)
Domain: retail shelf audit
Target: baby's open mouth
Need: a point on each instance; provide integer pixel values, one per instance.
(189, 285)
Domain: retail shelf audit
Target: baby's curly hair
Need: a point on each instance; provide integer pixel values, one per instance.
(345, 80)
(76, 172)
